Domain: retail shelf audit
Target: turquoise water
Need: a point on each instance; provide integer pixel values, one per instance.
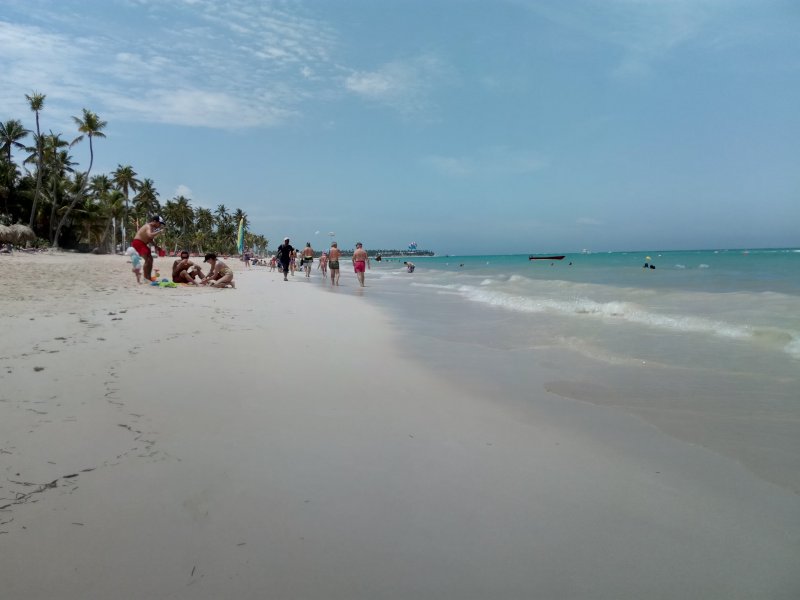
(725, 309)
(773, 270)
(706, 346)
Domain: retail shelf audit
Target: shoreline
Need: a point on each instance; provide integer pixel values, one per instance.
(283, 441)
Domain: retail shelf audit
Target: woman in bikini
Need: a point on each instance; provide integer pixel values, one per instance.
(221, 275)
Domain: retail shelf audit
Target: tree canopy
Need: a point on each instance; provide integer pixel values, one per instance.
(42, 186)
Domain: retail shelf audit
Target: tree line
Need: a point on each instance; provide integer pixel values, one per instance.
(69, 207)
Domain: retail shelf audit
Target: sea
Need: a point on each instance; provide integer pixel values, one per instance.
(705, 346)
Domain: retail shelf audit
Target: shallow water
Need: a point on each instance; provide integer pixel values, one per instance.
(706, 346)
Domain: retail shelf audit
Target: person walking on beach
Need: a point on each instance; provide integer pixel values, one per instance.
(136, 263)
(293, 261)
(220, 275)
(360, 262)
(323, 265)
(333, 262)
(285, 252)
(184, 270)
(308, 259)
(142, 240)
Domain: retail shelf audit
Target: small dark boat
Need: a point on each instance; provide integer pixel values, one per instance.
(532, 257)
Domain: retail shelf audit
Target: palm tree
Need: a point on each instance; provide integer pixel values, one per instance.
(36, 101)
(77, 189)
(92, 127)
(100, 188)
(11, 132)
(113, 205)
(145, 202)
(125, 180)
(57, 163)
(204, 221)
(225, 228)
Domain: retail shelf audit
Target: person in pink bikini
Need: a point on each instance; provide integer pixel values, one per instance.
(360, 262)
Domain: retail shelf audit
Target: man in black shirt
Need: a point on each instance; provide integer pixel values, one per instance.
(284, 256)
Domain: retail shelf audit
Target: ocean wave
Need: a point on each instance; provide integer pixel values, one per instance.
(626, 311)
(793, 348)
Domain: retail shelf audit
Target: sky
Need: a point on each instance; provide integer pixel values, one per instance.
(468, 127)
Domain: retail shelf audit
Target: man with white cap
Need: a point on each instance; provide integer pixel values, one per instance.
(285, 251)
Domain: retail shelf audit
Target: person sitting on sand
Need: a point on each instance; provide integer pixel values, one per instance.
(142, 240)
(220, 274)
(185, 271)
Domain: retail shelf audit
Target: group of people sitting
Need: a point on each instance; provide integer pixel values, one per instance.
(185, 271)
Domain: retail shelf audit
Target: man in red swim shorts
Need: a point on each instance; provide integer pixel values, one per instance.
(142, 240)
(360, 262)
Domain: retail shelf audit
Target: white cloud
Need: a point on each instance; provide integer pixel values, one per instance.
(403, 85)
(183, 190)
(237, 64)
(644, 31)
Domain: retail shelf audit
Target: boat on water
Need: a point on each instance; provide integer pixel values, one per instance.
(532, 257)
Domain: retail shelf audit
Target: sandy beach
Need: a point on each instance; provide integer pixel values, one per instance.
(276, 441)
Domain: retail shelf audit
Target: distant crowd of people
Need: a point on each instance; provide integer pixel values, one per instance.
(186, 271)
(286, 260)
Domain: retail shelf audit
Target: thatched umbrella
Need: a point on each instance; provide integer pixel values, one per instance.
(16, 234)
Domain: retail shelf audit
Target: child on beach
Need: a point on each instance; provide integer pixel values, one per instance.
(136, 262)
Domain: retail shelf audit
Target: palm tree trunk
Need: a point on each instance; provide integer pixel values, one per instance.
(113, 235)
(51, 225)
(64, 218)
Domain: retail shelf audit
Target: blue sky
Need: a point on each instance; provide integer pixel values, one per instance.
(495, 126)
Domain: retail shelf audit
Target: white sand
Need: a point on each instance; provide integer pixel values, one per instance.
(269, 442)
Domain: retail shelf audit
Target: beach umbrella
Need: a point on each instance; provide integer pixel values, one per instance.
(240, 237)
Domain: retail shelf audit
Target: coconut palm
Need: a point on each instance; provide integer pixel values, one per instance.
(100, 190)
(204, 221)
(58, 163)
(125, 180)
(113, 203)
(90, 126)
(145, 202)
(11, 132)
(36, 101)
(77, 191)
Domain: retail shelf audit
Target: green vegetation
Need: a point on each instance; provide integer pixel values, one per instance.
(69, 208)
